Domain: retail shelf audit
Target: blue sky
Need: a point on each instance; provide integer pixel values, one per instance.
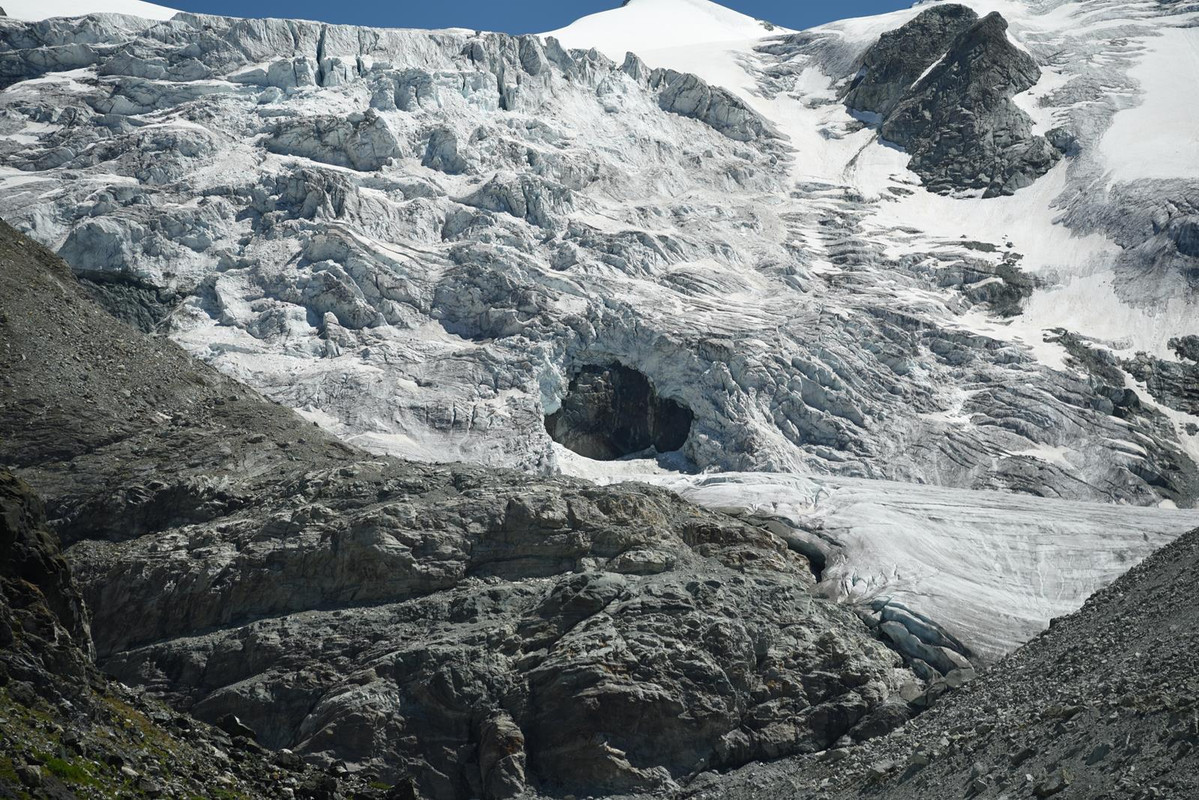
(512, 16)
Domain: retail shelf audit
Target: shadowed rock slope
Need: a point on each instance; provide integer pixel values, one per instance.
(476, 631)
(66, 731)
(1103, 705)
(900, 58)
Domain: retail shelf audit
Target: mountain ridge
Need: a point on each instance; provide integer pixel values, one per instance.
(421, 239)
(456, 246)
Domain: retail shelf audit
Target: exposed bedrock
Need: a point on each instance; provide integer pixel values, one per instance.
(610, 412)
(1156, 224)
(1174, 384)
(43, 621)
(902, 56)
(143, 307)
(942, 86)
(1187, 347)
(1185, 233)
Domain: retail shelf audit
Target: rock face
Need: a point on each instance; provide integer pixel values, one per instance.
(68, 731)
(1187, 347)
(1174, 384)
(943, 86)
(44, 637)
(900, 58)
(476, 631)
(613, 411)
(1102, 705)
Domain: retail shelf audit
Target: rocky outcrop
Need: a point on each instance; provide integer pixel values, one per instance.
(1185, 233)
(942, 88)
(1174, 384)
(1187, 347)
(44, 635)
(616, 678)
(477, 631)
(900, 58)
(70, 732)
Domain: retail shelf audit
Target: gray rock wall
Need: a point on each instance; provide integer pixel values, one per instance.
(942, 86)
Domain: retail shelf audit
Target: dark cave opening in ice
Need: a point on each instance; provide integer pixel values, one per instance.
(613, 411)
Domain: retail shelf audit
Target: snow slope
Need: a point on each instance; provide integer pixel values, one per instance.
(45, 9)
(1150, 77)
(991, 568)
(1159, 137)
(648, 25)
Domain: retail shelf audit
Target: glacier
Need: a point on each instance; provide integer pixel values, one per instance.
(418, 239)
(986, 569)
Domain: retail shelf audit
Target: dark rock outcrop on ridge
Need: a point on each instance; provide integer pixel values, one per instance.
(902, 56)
(948, 102)
(475, 631)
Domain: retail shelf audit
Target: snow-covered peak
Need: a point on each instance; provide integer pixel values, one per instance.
(644, 25)
(32, 10)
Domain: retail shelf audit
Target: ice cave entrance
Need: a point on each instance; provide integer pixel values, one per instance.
(612, 412)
